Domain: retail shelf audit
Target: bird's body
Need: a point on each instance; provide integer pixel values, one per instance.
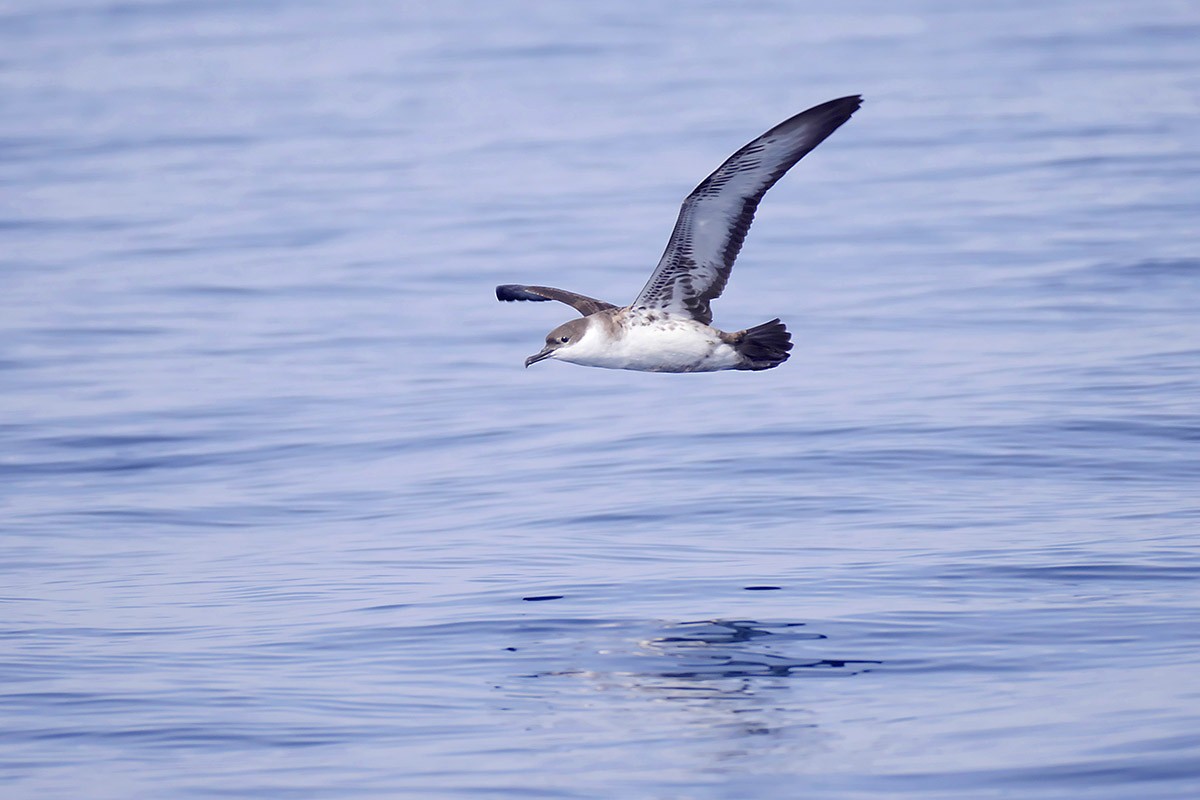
(667, 328)
(650, 341)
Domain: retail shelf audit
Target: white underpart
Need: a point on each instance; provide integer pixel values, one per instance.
(669, 344)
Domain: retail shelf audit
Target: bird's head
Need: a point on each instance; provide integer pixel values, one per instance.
(560, 340)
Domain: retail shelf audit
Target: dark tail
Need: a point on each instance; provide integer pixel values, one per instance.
(763, 346)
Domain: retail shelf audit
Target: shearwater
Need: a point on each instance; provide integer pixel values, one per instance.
(667, 327)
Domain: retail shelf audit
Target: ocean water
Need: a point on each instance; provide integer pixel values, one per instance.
(283, 516)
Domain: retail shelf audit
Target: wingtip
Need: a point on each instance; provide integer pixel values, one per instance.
(833, 114)
(828, 116)
(508, 292)
(846, 105)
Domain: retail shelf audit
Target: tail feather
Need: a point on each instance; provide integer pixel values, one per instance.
(763, 346)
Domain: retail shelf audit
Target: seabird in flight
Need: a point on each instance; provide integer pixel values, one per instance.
(667, 327)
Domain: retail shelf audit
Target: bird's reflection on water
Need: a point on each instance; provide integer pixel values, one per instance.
(732, 675)
(718, 649)
(737, 676)
(703, 655)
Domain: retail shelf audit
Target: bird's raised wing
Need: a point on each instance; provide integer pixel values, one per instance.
(717, 214)
(584, 305)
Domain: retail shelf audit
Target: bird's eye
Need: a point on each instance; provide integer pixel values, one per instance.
(564, 339)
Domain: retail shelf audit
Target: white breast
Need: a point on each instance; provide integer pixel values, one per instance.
(652, 343)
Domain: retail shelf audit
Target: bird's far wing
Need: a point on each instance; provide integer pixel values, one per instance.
(717, 214)
(584, 305)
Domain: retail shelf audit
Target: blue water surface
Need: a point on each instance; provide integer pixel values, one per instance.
(283, 516)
